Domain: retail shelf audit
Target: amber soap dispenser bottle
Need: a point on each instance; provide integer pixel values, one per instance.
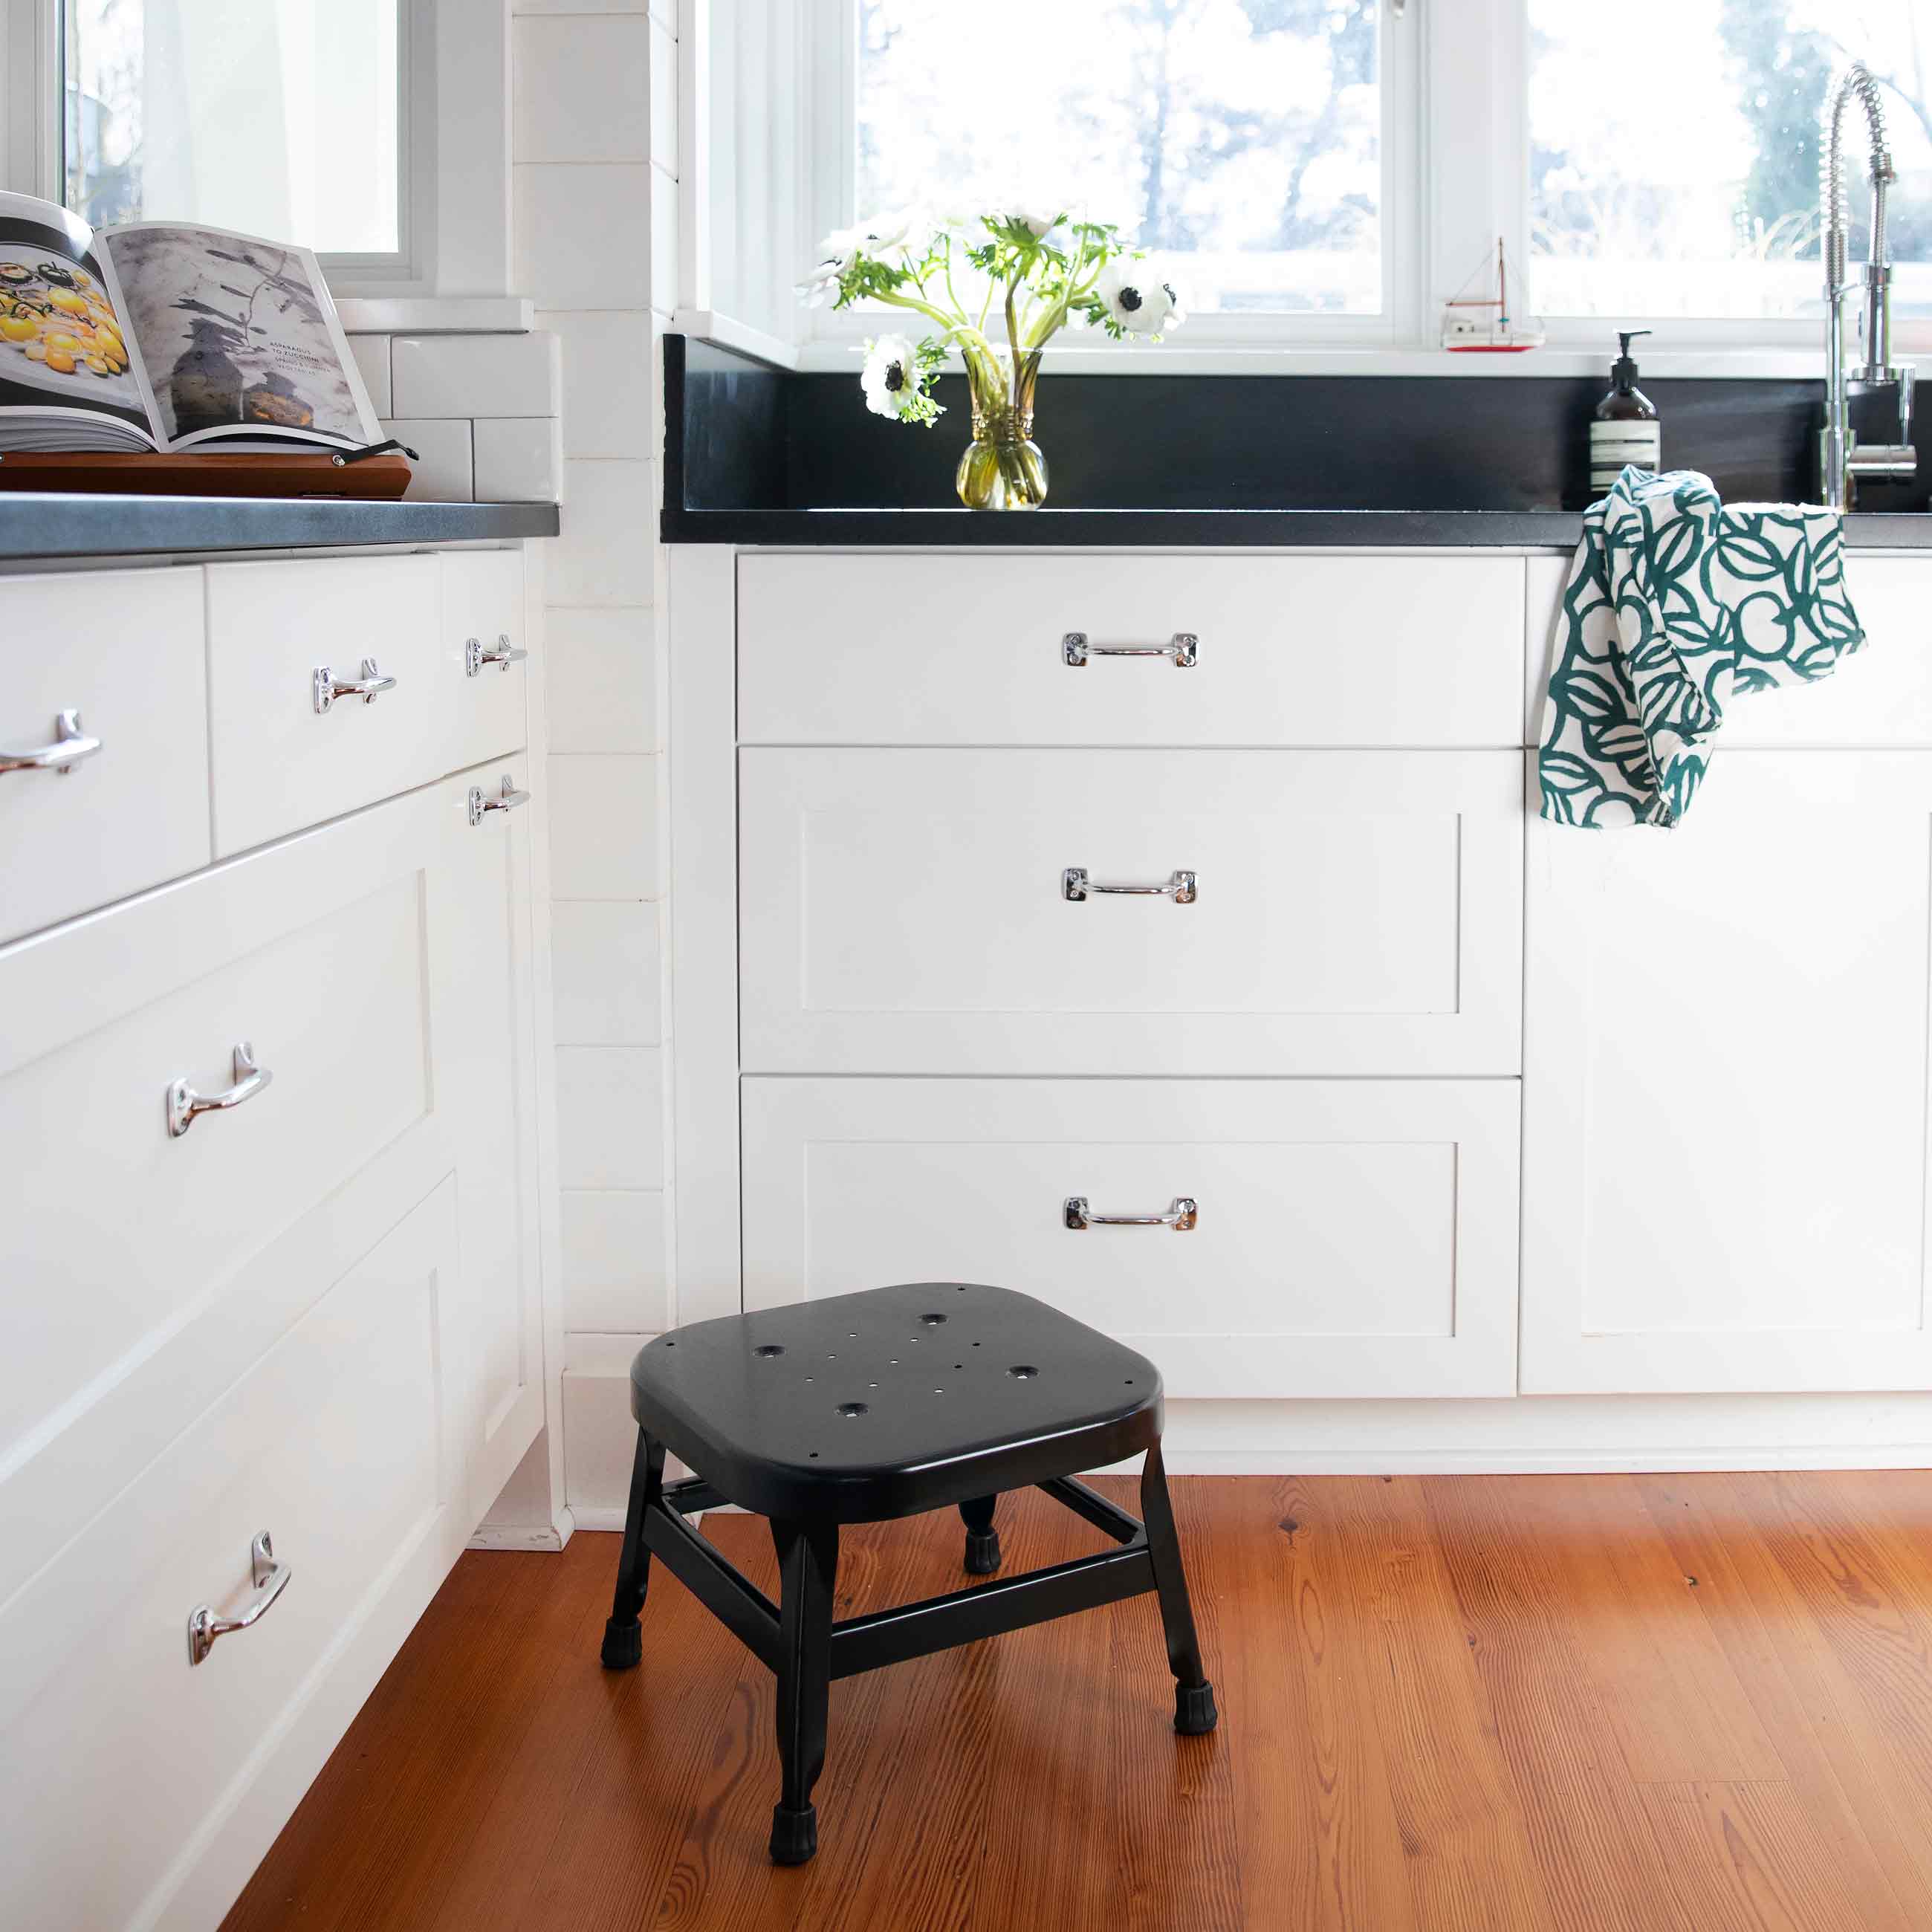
(1626, 427)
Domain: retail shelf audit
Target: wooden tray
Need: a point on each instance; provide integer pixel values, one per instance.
(243, 473)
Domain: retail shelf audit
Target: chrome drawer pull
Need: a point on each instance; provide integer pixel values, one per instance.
(368, 687)
(1181, 1217)
(508, 800)
(1184, 649)
(70, 746)
(184, 1104)
(271, 1579)
(503, 655)
(1076, 885)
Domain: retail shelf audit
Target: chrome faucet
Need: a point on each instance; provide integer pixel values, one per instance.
(1841, 461)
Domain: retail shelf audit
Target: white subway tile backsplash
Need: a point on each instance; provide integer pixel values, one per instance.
(372, 357)
(583, 234)
(604, 972)
(477, 375)
(664, 242)
(664, 97)
(519, 460)
(608, 380)
(601, 684)
(603, 555)
(582, 89)
(610, 1116)
(443, 471)
(539, 8)
(615, 1278)
(603, 827)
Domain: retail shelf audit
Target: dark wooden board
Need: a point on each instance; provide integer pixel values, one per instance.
(278, 472)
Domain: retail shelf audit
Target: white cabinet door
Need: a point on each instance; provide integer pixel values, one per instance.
(1726, 1079)
(488, 1076)
(1349, 1238)
(906, 912)
(1340, 650)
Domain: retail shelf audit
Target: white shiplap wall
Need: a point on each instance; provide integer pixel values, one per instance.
(594, 147)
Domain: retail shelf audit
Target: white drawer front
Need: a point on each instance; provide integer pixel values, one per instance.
(483, 606)
(125, 1246)
(1416, 650)
(1355, 913)
(124, 650)
(122, 1764)
(1351, 1238)
(281, 764)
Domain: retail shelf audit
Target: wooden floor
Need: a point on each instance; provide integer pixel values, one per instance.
(1668, 1704)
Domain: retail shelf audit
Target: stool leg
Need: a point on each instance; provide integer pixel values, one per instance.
(1194, 1710)
(623, 1642)
(982, 1540)
(808, 1564)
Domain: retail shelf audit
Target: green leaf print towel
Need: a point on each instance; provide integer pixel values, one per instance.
(1675, 605)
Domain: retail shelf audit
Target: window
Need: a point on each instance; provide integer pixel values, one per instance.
(1241, 139)
(280, 117)
(1688, 187)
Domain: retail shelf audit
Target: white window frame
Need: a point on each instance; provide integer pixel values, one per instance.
(1455, 176)
(454, 212)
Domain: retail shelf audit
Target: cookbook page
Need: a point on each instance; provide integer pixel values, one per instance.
(239, 339)
(63, 346)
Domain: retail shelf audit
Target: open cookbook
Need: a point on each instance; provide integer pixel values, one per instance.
(161, 335)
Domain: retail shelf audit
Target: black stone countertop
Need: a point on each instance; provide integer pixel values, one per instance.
(36, 525)
(1205, 529)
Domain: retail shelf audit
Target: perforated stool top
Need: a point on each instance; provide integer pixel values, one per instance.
(862, 1407)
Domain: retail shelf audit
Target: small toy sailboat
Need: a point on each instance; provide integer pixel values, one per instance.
(1482, 319)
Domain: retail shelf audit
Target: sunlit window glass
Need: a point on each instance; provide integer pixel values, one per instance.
(1242, 137)
(1681, 178)
(279, 117)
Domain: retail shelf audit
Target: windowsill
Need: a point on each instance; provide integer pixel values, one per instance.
(1175, 357)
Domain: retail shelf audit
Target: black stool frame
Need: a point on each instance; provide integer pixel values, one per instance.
(797, 1639)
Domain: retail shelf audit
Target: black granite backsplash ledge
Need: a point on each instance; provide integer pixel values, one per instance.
(743, 438)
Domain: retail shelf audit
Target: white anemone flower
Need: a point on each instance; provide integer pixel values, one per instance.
(1028, 211)
(1141, 296)
(890, 378)
(896, 239)
(837, 258)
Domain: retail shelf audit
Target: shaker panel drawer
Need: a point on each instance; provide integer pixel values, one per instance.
(121, 1753)
(1347, 1237)
(123, 650)
(483, 667)
(285, 756)
(907, 912)
(1316, 650)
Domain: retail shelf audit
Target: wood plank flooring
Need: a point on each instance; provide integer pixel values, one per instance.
(1532, 1704)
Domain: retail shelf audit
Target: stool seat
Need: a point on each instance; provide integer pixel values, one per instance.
(860, 1408)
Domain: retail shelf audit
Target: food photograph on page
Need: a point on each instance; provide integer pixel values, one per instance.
(62, 339)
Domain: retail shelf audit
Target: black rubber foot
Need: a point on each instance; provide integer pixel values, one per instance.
(623, 1644)
(1194, 1712)
(982, 1552)
(794, 1835)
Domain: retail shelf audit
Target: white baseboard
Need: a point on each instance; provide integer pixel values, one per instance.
(517, 1536)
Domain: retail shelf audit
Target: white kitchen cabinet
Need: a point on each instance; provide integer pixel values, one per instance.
(1346, 1238)
(1726, 1153)
(1295, 650)
(1351, 913)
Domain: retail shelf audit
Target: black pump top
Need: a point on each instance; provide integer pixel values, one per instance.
(1623, 370)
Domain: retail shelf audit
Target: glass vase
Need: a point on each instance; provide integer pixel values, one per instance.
(1002, 468)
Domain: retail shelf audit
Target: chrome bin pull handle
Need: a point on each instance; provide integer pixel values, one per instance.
(271, 1579)
(327, 687)
(508, 800)
(185, 1105)
(1184, 649)
(1076, 886)
(1181, 1216)
(502, 654)
(70, 746)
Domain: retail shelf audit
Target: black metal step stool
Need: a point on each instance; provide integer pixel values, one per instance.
(864, 1407)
